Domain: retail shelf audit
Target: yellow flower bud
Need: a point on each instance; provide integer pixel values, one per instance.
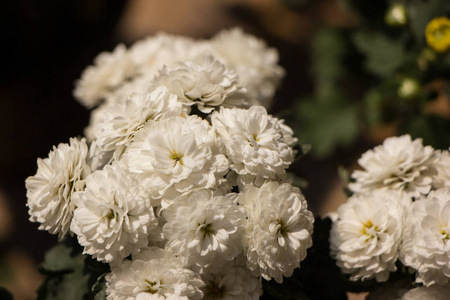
(438, 34)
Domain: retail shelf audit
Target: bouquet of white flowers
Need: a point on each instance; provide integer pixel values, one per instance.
(397, 220)
(179, 188)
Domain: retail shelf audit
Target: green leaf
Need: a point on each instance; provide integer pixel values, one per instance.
(328, 123)
(328, 49)
(383, 55)
(99, 288)
(67, 278)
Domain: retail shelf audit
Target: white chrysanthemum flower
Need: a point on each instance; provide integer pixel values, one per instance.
(390, 290)
(278, 230)
(254, 142)
(204, 82)
(50, 191)
(256, 64)
(151, 54)
(426, 238)
(175, 155)
(366, 237)
(153, 274)
(114, 217)
(399, 164)
(204, 229)
(109, 71)
(231, 283)
(443, 167)
(434, 292)
(121, 121)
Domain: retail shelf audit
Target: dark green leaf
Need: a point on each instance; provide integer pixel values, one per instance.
(432, 129)
(67, 278)
(383, 55)
(99, 288)
(328, 124)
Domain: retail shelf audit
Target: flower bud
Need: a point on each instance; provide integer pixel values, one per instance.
(438, 34)
(396, 15)
(409, 88)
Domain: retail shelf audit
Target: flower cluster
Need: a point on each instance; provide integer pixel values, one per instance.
(399, 213)
(183, 188)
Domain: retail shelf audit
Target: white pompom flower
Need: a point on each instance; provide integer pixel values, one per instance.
(399, 164)
(50, 191)
(114, 217)
(175, 155)
(366, 236)
(434, 292)
(204, 229)
(109, 71)
(254, 143)
(254, 62)
(426, 238)
(153, 274)
(121, 121)
(204, 82)
(231, 283)
(278, 230)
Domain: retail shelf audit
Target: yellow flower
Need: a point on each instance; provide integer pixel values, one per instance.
(438, 34)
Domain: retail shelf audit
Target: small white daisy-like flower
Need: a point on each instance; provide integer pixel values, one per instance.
(175, 155)
(109, 71)
(434, 292)
(399, 164)
(204, 229)
(114, 217)
(50, 191)
(121, 121)
(278, 230)
(426, 238)
(204, 82)
(231, 283)
(254, 142)
(153, 274)
(366, 236)
(255, 63)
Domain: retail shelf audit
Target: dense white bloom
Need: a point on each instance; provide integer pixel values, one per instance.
(255, 63)
(50, 191)
(390, 290)
(110, 69)
(254, 142)
(399, 164)
(231, 283)
(121, 121)
(434, 292)
(204, 229)
(426, 238)
(444, 169)
(152, 275)
(204, 82)
(175, 155)
(114, 217)
(151, 54)
(278, 230)
(366, 237)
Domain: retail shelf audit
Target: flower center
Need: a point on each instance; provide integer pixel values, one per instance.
(370, 230)
(206, 229)
(178, 158)
(151, 286)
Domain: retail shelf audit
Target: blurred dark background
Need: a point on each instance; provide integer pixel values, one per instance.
(45, 45)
